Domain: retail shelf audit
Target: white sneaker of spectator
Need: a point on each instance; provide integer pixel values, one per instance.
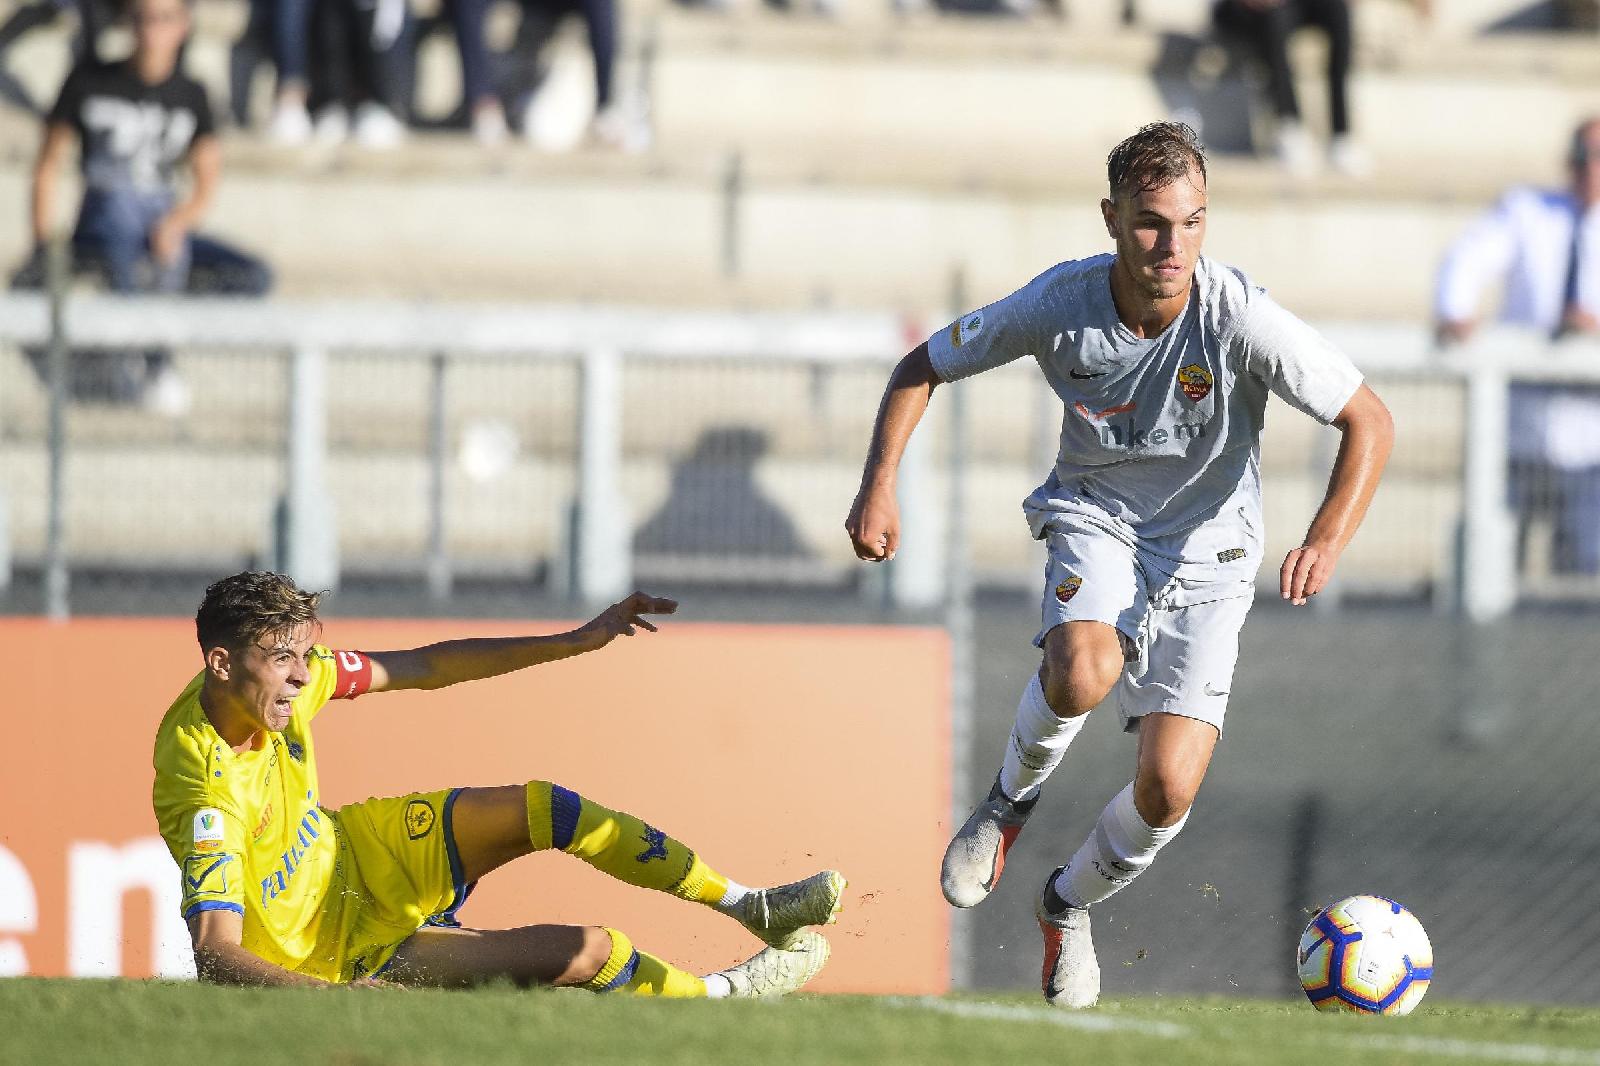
(614, 128)
(165, 393)
(377, 128)
(489, 124)
(1296, 153)
(290, 124)
(332, 125)
(1349, 158)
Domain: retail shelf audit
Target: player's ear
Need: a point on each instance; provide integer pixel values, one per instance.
(219, 663)
(1108, 212)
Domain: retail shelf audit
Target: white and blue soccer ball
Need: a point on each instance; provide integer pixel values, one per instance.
(1366, 955)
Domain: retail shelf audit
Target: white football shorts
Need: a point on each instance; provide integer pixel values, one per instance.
(1180, 636)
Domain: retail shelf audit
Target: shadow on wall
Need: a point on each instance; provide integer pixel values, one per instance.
(715, 509)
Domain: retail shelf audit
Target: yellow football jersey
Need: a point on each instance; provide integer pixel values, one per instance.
(245, 828)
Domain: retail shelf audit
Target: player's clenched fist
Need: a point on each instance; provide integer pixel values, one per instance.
(874, 525)
(627, 616)
(1304, 572)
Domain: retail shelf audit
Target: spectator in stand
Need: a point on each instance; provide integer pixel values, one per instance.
(136, 121)
(356, 47)
(482, 102)
(1266, 26)
(1542, 248)
(282, 29)
(611, 126)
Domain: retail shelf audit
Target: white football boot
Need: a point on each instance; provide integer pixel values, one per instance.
(1071, 974)
(977, 853)
(777, 915)
(779, 971)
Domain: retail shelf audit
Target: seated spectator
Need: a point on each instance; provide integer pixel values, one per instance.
(1265, 26)
(135, 122)
(1541, 247)
(279, 29)
(611, 127)
(357, 47)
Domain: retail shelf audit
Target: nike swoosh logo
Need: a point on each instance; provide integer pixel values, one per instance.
(1212, 691)
(1086, 377)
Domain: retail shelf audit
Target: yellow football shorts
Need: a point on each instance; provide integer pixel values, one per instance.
(398, 870)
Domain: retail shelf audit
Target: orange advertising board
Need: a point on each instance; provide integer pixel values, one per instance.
(773, 750)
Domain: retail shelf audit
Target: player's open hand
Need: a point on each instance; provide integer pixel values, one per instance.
(1305, 571)
(874, 524)
(626, 618)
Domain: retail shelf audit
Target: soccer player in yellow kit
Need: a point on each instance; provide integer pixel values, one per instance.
(278, 890)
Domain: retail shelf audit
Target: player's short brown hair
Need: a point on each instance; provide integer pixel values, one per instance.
(240, 610)
(1153, 158)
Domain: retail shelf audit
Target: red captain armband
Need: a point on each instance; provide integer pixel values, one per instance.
(352, 675)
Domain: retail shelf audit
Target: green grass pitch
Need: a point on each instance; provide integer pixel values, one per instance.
(130, 1023)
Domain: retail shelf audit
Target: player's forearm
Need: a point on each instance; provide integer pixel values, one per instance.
(42, 207)
(905, 399)
(232, 964)
(1363, 452)
(454, 661)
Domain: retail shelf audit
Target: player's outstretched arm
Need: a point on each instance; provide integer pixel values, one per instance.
(1367, 438)
(874, 519)
(454, 661)
(221, 958)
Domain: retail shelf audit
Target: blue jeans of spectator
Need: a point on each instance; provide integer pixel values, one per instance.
(113, 236)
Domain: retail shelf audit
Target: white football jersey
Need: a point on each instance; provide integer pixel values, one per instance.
(1160, 437)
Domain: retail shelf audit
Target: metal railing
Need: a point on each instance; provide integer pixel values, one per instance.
(629, 410)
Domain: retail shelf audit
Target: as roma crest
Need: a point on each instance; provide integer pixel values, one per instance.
(1195, 381)
(1068, 588)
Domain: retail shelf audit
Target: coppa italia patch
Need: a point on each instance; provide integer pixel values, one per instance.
(1195, 381)
(208, 829)
(965, 329)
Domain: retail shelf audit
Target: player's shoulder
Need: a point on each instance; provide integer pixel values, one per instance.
(188, 752)
(1226, 295)
(1066, 277)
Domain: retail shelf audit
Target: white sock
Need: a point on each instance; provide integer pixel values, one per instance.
(1038, 741)
(717, 986)
(731, 899)
(1118, 850)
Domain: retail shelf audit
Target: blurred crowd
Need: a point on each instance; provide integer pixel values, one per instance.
(348, 68)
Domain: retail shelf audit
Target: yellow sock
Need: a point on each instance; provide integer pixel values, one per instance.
(630, 970)
(618, 844)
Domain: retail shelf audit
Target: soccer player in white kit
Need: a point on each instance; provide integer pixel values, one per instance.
(1152, 515)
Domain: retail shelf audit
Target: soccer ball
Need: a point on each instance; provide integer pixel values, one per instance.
(1365, 954)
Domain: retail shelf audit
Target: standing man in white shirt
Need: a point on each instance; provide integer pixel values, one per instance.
(1163, 361)
(1541, 247)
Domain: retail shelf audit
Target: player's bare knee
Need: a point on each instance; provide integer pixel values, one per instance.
(1162, 800)
(1076, 679)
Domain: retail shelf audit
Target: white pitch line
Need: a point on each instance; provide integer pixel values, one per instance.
(1006, 1012)
(1469, 1049)
(1101, 1023)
